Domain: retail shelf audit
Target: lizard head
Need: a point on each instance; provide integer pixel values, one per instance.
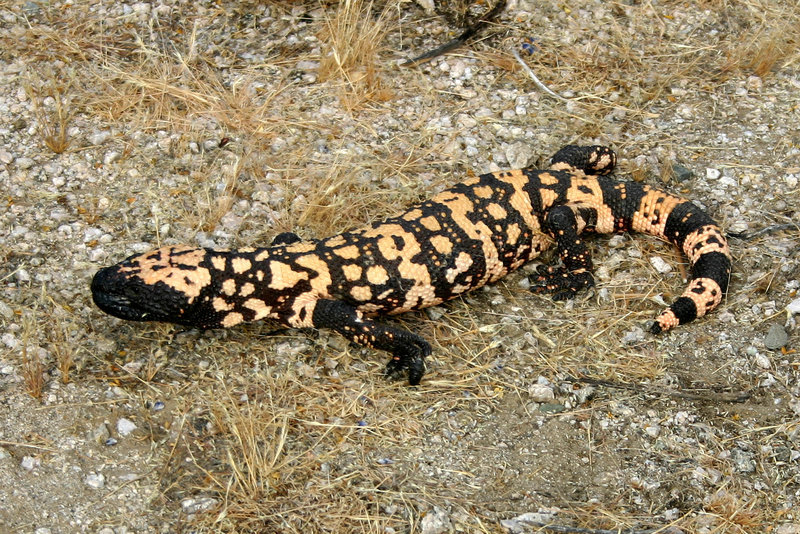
(165, 284)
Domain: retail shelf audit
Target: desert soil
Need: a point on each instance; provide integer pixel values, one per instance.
(129, 125)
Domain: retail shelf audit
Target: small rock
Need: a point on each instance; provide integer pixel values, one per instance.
(5, 157)
(31, 9)
(776, 337)
(436, 521)
(435, 313)
(713, 174)
(584, 394)
(99, 137)
(30, 463)
(25, 163)
(754, 83)
(541, 393)
(9, 340)
(125, 426)
(743, 461)
(653, 430)
(527, 522)
(793, 307)
(551, 407)
(95, 480)
(201, 504)
(112, 156)
(519, 154)
(682, 173)
(738, 227)
(99, 434)
(633, 336)
(762, 361)
(660, 265)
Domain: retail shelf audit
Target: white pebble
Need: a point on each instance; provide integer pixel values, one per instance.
(111, 156)
(541, 393)
(754, 83)
(97, 254)
(660, 265)
(793, 307)
(125, 426)
(652, 430)
(10, 341)
(25, 163)
(22, 275)
(95, 480)
(30, 463)
(100, 137)
(762, 361)
(713, 174)
(633, 336)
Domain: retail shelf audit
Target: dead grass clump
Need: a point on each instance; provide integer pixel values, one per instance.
(352, 40)
(732, 514)
(62, 349)
(32, 371)
(51, 110)
(773, 45)
(299, 454)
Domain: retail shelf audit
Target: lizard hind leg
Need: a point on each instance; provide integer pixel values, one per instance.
(408, 350)
(593, 160)
(576, 273)
(285, 238)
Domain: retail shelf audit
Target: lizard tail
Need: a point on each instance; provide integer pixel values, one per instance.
(704, 244)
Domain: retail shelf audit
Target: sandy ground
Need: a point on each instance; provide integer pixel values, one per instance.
(130, 125)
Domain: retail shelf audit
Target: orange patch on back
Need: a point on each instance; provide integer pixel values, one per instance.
(377, 275)
(283, 276)
(361, 292)
(241, 265)
(352, 272)
(483, 191)
(430, 223)
(496, 211)
(229, 287)
(232, 319)
(349, 252)
(442, 244)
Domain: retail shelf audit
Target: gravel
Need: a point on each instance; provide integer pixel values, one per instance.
(500, 435)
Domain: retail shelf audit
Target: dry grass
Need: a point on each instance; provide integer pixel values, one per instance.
(772, 45)
(32, 366)
(288, 451)
(353, 39)
(51, 109)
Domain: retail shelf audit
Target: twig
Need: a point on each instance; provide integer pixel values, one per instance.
(739, 396)
(768, 230)
(548, 527)
(6, 443)
(470, 32)
(536, 80)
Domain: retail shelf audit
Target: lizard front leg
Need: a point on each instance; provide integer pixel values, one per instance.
(408, 350)
(576, 273)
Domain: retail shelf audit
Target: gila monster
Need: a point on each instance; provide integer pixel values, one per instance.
(464, 237)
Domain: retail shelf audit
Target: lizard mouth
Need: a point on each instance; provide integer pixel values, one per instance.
(109, 290)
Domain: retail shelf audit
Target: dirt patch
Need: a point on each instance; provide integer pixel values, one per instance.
(127, 126)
